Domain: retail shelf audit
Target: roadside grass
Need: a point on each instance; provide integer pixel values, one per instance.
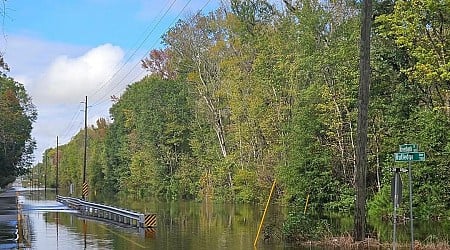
(346, 242)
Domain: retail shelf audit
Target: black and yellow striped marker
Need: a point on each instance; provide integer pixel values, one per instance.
(85, 189)
(150, 220)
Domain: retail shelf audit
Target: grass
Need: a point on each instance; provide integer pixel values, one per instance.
(346, 242)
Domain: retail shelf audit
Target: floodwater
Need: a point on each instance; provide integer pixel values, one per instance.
(47, 224)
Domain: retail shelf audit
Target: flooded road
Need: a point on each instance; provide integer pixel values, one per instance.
(8, 219)
(47, 224)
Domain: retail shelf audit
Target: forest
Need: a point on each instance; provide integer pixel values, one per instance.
(17, 114)
(255, 92)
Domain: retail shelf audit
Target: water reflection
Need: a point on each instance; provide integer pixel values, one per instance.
(58, 230)
(7, 236)
(192, 225)
(181, 225)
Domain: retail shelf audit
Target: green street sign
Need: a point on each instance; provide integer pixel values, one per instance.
(409, 148)
(409, 156)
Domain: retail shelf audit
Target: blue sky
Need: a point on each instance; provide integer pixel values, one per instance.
(94, 22)
(64, 50)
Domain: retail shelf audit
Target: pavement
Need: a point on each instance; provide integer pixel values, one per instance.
(8, 218)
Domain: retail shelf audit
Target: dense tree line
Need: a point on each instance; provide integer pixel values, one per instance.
(254, 92)
(17, 113)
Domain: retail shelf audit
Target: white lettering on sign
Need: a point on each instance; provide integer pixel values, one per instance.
(408, 148)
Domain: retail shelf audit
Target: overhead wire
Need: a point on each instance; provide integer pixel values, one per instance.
(137, 48)
(113, 87)
(146, 34)
(154, 44)
(135, 51)
(104, 100)
(68, 129)
(173, 22)
(72, 122)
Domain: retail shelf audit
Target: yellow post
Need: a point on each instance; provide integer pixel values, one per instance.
(306, 205)
(264, 214)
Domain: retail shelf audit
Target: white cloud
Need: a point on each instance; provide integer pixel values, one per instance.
(69, 79)
(58, 76)
(29, 56)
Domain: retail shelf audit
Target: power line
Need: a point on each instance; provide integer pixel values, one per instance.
(173, 22)
(113, 87)
(143, 57)
(147, 34)
(136, 49)
(72, 122)
(134, 52)
(102, 100)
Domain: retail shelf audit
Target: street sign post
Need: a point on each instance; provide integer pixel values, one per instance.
(408, 153)
(396, 192)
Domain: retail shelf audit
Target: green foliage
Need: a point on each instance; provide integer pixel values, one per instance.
(17, 113)
(430, 179)
(309, 171)
(97, 156)
(419, 28)
(244, 185)
(149, 137)
(303, 227)
(381, 205)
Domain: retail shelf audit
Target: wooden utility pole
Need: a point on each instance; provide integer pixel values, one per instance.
(57, 164)
(363, 107)
(85, 150)
(45, 175)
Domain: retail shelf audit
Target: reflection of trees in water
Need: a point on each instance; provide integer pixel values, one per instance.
(24, 232)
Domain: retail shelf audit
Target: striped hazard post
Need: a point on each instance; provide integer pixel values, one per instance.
(85, 189)
(150, 220)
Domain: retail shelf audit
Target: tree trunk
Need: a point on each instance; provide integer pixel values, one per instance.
(363, 102)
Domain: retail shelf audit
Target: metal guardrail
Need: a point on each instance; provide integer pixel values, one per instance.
(110, 213)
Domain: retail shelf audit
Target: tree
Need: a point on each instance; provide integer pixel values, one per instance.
(363, 107)
(195, 45)
(97, 155)
(17, 115)
(420, 28)
(158, 64)
(148, 138)
(323, 50)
